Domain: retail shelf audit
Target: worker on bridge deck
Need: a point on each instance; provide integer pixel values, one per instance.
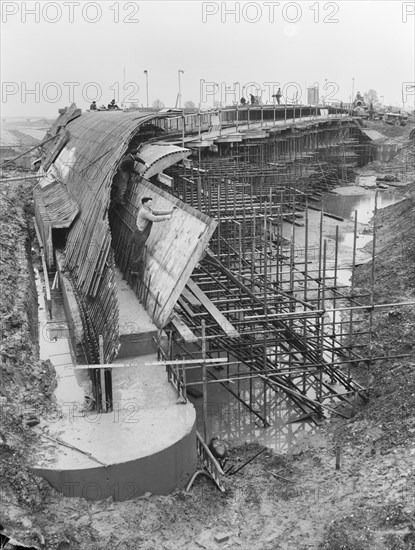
(113, 106)
(278, 96)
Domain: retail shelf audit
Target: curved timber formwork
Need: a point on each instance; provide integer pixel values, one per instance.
(84, 166)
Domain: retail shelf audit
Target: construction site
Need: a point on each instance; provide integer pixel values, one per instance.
(255, 319)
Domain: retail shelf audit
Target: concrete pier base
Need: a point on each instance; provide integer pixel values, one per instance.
(146, 444)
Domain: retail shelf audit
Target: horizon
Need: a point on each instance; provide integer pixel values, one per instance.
(51, 117)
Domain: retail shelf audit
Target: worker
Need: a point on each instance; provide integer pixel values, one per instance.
(112, 106)
(93, 106)
(145, 219)
(278, 96)
(243, 101)
(253, 100)
(126, 169)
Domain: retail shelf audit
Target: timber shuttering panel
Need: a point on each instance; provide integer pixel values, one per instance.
(172, 251)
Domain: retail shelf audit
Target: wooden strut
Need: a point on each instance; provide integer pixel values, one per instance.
(45, 270)
(232, 472)
(28, 151)
(277, 476)
(104, 378)
(212, 362)
(204, 385)
(70, 446)
(21, 179)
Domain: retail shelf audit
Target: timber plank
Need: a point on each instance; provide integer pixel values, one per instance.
(184, 331)
(62, 140)
(191, 298)
(186, 308)
(224, 324)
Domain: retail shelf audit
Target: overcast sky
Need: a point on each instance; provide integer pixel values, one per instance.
(53, 53)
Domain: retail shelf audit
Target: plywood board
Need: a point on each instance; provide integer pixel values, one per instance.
(174, 248)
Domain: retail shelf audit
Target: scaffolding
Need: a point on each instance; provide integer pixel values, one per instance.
(270, 308)
(292, 318)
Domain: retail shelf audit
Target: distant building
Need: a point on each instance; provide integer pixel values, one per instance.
(312, 95)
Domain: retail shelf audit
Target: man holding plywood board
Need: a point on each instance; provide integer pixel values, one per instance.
(145, 219)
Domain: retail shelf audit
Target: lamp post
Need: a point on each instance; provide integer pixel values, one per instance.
(179, 97)
(237, 90)
(325, 92)
(146, 73)
(123, 88)
(318, 97)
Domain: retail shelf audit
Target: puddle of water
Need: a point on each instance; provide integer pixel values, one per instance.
(345, 205)
(230, 420)
(343, 276)
(347, 240)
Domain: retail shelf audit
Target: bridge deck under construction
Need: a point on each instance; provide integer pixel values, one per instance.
(275, 310)
(225, 277)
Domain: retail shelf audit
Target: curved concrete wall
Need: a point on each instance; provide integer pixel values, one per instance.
(158, 474)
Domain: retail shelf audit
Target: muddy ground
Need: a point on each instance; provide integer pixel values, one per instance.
(307, 504)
